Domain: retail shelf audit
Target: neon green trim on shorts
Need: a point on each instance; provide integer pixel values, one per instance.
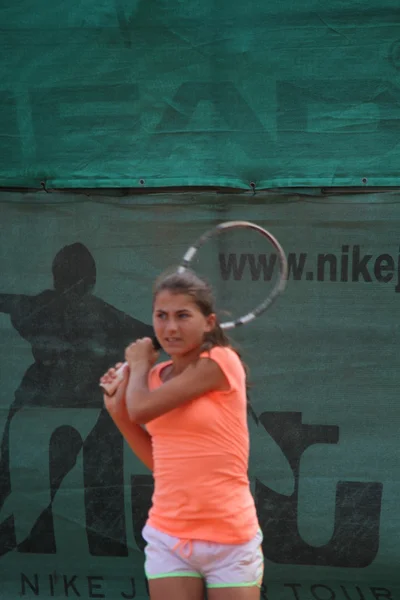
(235, 585)
(175, 574)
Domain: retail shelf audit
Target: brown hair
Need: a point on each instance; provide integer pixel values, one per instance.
(190, 284)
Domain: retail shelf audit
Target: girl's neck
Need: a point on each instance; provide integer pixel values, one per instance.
(181, 362)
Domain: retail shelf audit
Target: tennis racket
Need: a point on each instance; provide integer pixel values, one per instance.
(215, 255)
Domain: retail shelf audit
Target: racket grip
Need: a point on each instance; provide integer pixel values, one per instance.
(110, 388)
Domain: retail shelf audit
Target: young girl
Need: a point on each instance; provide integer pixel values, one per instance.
(202, 527)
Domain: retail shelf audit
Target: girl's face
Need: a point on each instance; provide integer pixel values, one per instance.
(178, 323)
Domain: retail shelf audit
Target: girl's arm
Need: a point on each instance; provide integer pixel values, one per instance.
(137, 438)
(143, 405)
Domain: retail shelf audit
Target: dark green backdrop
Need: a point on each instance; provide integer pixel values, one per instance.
(324, 362)
(145, 93)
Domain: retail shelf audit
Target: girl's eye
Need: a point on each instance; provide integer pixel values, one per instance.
(183, 316)
(161, 316)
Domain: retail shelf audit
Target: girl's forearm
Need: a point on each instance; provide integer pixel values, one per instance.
(137, 438)
(137, 392)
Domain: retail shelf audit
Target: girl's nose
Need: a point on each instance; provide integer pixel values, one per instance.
(171, 325)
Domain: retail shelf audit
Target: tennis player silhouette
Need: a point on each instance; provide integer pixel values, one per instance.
(74, 336)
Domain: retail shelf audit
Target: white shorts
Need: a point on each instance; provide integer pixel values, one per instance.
(220, 565)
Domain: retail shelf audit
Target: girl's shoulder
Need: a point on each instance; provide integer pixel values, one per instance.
(222, 353)
(230, 363)
(155, 373)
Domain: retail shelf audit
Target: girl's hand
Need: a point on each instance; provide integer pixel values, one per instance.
(115, 403)
(141, 352)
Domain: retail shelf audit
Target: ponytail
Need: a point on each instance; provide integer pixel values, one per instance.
(216, 337)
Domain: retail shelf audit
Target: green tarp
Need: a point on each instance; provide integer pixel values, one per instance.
(214, 93)
(324, 464)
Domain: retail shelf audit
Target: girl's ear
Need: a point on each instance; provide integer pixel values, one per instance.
(211, 321)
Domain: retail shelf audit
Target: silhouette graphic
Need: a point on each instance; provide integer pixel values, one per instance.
(355, 539)
(75, 336)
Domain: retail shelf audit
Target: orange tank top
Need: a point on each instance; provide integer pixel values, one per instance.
(201, 454)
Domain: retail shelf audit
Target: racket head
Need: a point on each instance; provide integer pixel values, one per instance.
(273, 293)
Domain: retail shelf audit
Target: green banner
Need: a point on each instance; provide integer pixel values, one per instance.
(150, 94)
(324, 463)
